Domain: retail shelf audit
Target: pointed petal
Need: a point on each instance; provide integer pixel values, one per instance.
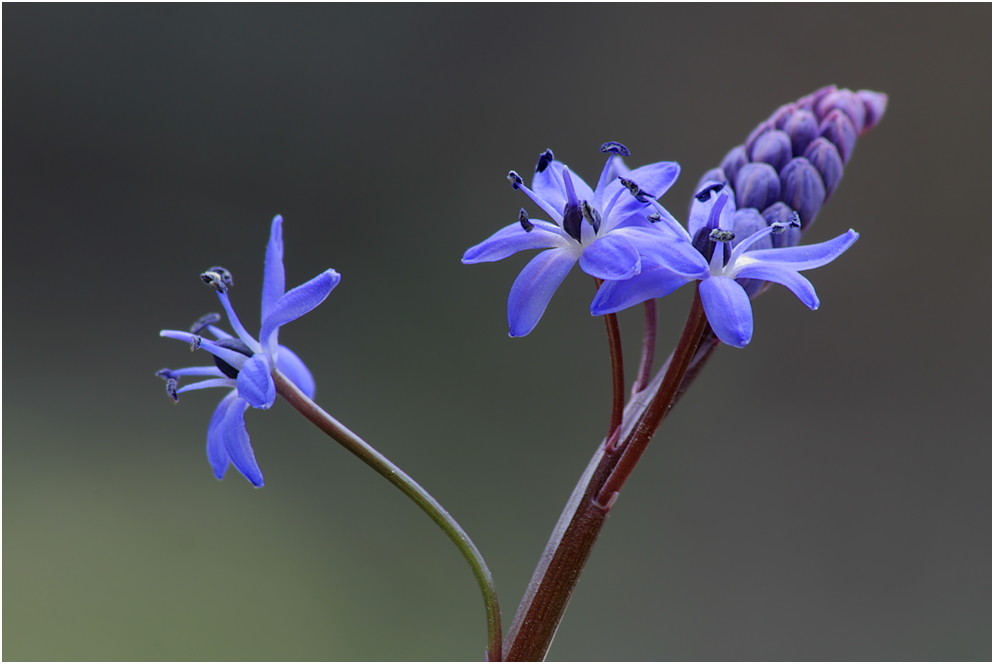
(700, 211)
(204, 384)
(237, 443)
(295, 303)
(792, 279)
(614, 168)
(255, 382)
(217, 455)
(274, 277)
(290, 364)
(613, 296)
(653, 179)
(661, 248)
(728, 309)
(804, 257)
(514, 238)
(534, 287)
(611, 257)
(548, 185)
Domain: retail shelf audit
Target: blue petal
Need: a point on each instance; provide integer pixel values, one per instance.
(290, 364)
(614, 168)
(728, 309)
(613, 296)
(295, 303)
(700, 211)
(534, 287)
(797, 284)
(548, 185)
(274, 277)
(237, 443)
(512, 239)
(654, 179)
(611, 257)
(255, 382)
(804, 257)
(661, 248)
(217, 455)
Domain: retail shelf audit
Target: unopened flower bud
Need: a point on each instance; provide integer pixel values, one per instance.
(838, 128)
(757, 185)
(773, 147)
(823, 156)
(802, 189)
(875, 104)
(778, 213)
(733, 161)
(802, 127)
(846, 101)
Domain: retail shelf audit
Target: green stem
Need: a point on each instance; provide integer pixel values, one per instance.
(357, 446)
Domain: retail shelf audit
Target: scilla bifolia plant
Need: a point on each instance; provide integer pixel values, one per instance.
(747, 220)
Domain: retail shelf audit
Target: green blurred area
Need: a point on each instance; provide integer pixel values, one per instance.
(819, 496)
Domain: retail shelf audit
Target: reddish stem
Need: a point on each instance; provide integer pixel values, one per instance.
(648, 348)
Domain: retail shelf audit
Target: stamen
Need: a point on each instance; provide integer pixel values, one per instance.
(591, 214)
(637, 191)
(654, 217)
(718, 235)
(236, 345)
(515, 179)
(171, 385)
(704, 194)
(164, 374)
(614, 147)
(203, 322)
(778, 227)
(218, 278)
(523, 220)
(572, 218)
(544, 160)
(195, 343)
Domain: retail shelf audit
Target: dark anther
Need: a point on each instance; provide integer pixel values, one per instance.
(525, 223)
(164, 374)
(591, 215)
(218, 278)
(236, 345)
(654, 217)
(637, 192)
(515, 180)
(572, 218)
(202, 322)
(794, 221)
(614, 147)
(195, 344)
(704, 194)
(718, 235)
(171, 386)
(544, 160)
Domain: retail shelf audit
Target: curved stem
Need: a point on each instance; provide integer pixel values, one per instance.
(648, 348)
(617, 375)
(353, 443)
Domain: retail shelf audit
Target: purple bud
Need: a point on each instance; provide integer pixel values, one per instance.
(757, 185)
(823, 155)
(803, 189)
(875, 104)
(745, 222)
(733, 161)
(837, 128)
(711, 177)
(763, 127)
(809, 102)
(773, 147)
(846, 101)
(802, 127)
(778, 213)
(779, 117)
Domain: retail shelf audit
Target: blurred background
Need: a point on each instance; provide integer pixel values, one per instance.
(822, 495)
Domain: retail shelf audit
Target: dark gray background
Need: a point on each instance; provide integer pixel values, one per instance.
(821, 495)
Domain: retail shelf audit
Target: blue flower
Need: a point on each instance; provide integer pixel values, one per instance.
(729, 268)
(609, 230)
(244, 363)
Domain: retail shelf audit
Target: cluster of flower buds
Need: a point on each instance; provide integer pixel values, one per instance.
(793, 161)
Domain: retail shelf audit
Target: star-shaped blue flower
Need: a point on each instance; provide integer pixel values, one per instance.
(728, 267)
(244, 363)
(609, 230)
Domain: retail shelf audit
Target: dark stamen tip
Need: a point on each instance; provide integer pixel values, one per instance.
(654, 217)
(218, 278)
(591, 214)
(718, 235)
(636, 190)
(514, 179)
(195, 344)
(201, 323)
(704, 194)
(544, 160)
(614, 147)
(165, 374)
(778, 227)
(525, 223)
(171, 385)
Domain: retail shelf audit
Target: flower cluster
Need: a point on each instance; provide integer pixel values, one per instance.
(243, 363)
(745, 221)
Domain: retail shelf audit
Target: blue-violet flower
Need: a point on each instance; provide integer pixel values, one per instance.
(244, 363)
(609, 230)
(735, 250)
